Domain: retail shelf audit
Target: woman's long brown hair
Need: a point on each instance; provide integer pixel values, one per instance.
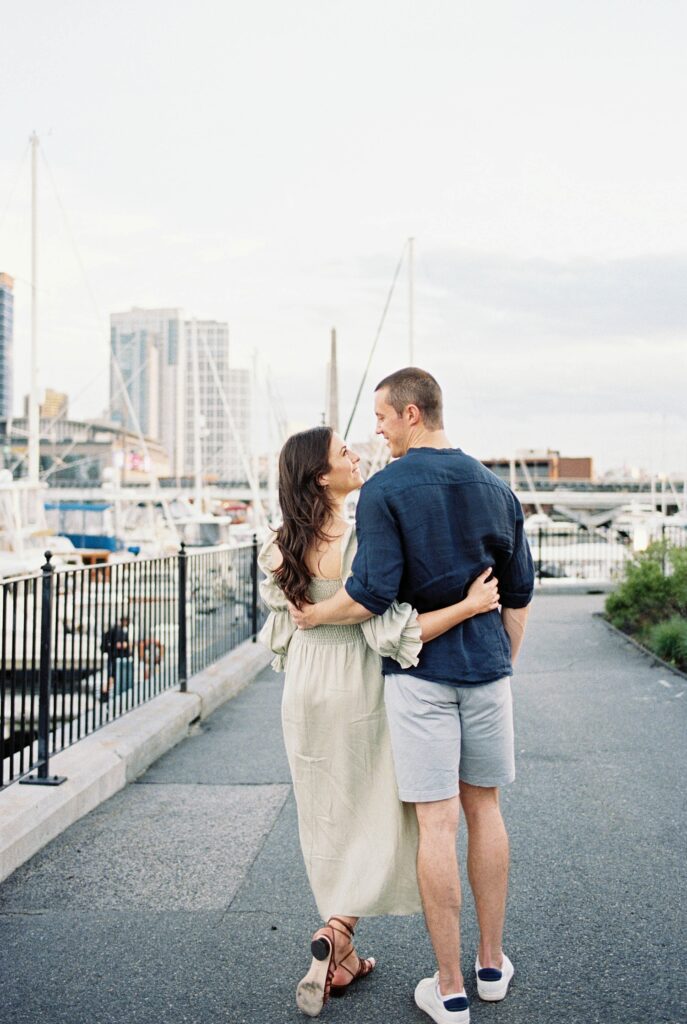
(305, 508)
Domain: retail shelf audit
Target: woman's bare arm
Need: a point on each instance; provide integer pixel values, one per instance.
(482, 597)
(343, 610)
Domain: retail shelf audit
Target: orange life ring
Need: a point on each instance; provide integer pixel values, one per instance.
(150, 651)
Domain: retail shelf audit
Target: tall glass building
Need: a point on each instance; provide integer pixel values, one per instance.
(148, 345)
(6, 334)
(221, 448)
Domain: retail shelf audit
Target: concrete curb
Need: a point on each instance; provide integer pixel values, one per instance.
(640, 647)
(103, 763)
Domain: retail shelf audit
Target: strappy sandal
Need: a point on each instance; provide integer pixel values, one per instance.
(314, 988)
(364, 966)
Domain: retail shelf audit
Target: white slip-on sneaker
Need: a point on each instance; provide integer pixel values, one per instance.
(451, 1009)
(492, 984)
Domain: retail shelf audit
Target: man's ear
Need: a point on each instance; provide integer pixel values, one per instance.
(413, 415)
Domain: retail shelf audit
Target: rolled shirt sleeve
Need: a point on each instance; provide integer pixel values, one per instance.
(516, 575)
(395, 634)
(378, 564)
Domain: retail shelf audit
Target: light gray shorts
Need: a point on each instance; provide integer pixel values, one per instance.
(441, 734)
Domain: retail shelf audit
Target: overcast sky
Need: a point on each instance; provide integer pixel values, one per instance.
(263, 163)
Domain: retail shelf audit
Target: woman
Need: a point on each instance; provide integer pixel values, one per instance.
(359, 841)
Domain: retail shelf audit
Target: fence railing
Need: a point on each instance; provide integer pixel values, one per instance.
(578, 554)
(79, 647)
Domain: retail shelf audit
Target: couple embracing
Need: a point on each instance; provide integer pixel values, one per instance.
(397, 638)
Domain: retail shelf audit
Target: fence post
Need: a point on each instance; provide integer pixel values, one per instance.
(42, 777)
(254, 595)
(539, 559)
(183, 674)
(663, 549)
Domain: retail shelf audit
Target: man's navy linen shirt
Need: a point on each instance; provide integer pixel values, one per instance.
(427, 525)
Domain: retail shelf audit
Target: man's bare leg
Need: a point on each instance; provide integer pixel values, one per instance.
(437, 872)
(487, 867)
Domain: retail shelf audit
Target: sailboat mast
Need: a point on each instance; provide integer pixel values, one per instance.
(34, 424)
(196, 418)
(333, 386)
(411, 300)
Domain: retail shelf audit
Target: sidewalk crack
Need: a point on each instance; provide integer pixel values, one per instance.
(257, 854)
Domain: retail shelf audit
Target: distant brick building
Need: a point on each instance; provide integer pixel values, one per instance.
(542, 465)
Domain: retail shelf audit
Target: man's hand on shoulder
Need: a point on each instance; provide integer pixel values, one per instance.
(305, 617)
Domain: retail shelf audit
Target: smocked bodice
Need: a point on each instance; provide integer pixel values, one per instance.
(321, 590)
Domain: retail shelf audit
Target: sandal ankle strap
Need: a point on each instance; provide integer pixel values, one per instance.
(345, 924)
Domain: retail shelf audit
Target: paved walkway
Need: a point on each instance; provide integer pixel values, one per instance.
(182, 900)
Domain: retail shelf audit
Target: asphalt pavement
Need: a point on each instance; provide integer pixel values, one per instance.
(183, 898)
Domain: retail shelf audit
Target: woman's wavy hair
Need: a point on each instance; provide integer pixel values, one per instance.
(305, 508)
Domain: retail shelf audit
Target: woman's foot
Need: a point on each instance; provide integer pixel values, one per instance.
(349, 967)
(314, 988)
(335, 966)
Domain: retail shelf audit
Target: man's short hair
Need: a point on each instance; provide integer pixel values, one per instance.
(412, 386)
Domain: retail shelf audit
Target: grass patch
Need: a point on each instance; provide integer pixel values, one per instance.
(669, 641)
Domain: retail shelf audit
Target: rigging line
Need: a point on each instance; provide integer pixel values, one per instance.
(49, 292)
(14, 186)
(42, 291)
(102, 322)
(137, 429)
(245, 461)
(276, 407)
(60, 466)
(127, 382)
(377, 336)
(63, 414)
(62, 455)
(114, 361)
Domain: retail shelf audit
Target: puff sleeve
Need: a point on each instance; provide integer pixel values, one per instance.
(279, 627)
(395, 634)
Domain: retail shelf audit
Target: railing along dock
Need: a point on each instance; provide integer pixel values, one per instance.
(80, 647)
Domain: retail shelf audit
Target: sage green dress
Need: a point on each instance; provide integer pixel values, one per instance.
(359, 841)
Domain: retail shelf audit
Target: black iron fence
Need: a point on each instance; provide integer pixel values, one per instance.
(576, 554)
(82, 646)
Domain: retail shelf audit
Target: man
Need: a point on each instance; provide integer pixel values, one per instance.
(427, 525)
(117, 646)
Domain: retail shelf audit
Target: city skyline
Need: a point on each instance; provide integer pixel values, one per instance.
(531, 151)
(236, 382)
(158, 357)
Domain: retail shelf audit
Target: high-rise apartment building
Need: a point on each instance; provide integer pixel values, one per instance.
(240, 400)
(149, 347)
(6, 338)
(219, 387)
(55, 405)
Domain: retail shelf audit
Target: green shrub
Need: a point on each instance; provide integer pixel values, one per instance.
(669, 641)
(677, 560)
(645, 597)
